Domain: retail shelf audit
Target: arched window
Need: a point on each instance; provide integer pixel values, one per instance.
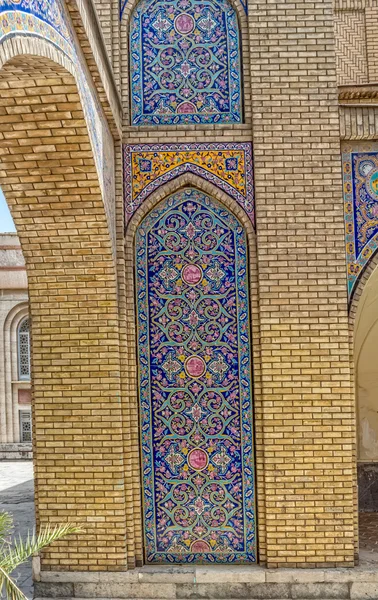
(185, 63)
(24, 349)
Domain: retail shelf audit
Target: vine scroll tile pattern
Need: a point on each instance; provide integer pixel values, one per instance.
(124, 2)
(185, 63)
(48, 19)
(360, 173)
(195, 383)
(228, 166)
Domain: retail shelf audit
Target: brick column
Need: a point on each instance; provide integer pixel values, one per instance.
(306, 386)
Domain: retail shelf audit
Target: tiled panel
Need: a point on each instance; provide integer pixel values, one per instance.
(185, 63)
(195, 383)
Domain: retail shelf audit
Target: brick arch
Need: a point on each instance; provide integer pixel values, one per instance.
(353, 308)
(359, 287)
(49, 178)
(134, 505)
(245, 62)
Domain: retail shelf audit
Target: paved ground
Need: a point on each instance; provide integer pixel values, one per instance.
(368, 530)
(17, 498)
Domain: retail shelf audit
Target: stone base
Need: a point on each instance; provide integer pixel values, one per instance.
(213, 583)
(16, 452)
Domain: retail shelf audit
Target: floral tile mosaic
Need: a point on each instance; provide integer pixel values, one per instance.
(185, 62)
(228, 166)
(195, 383)
(360, 182)
(124, 2)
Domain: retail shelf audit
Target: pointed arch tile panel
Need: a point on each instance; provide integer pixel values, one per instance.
(195, 382)
(360, 181)
(228, 166)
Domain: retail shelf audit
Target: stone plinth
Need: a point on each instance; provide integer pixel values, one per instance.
(212, 582)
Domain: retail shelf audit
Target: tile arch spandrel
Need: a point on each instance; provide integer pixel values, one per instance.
(148, 167)
(360, 187)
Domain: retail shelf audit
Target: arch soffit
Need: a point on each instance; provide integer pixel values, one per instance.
(21, 46)
(80, 39)
(188, 180)
(363, 281)
(368, 280)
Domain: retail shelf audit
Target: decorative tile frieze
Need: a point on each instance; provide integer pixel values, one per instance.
(228, 166)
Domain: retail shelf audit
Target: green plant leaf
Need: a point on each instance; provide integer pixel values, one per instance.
(6, 524)
(12, 591)
(21, 550)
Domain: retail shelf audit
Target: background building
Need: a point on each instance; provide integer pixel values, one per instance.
(15, 390)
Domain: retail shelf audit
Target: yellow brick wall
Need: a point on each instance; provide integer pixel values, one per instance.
(371, 16)
(303, 395)
(351, 47)
(307, 396)
(356, 41)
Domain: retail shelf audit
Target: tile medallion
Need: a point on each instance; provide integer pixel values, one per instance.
(228, 166)
(185, 62)
(48, 19)
(195, 383)
(360, 182)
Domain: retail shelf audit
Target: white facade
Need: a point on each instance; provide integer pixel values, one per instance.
(15, 394)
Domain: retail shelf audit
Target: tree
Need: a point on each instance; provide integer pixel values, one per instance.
(19, 551)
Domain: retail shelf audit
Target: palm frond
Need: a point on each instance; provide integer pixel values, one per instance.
(6, 523)
(22, 550)
(12, 591)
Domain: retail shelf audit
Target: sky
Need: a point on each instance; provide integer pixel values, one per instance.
(6, 221)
